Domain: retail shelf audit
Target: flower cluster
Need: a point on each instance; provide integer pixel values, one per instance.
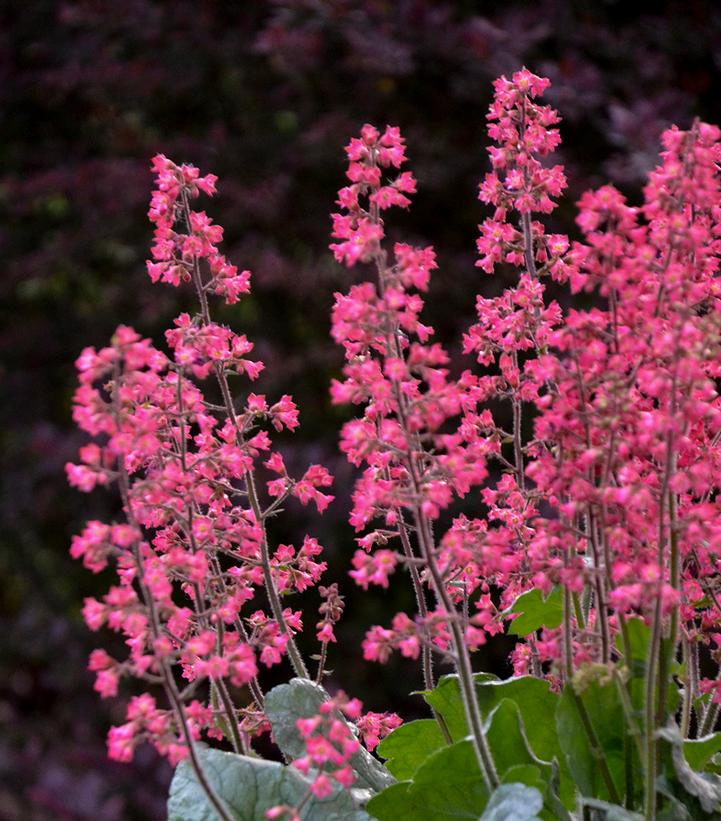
(330, 745)
(626, 428)
(401, 379)
(523, 132)
(421, 436)
(405, 407)
(193, 551)
(634, 417)
(176, 256)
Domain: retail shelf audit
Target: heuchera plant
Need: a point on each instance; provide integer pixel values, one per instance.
(590, 527)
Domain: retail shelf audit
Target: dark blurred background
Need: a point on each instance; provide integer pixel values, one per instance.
(264, 94)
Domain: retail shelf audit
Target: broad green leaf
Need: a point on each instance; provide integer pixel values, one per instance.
(536, 612)
(301, 698)
(449, 784)
(507, 740)
(537, 705)
(447, 787)
(638, 635)
(674, 809)
(249, 787)
(699, 751)
(393, 804)
(533, 696)
(445, 698)
(528, 774)
(513, 802)
(407, 747)
(600, 697)
(531, 776)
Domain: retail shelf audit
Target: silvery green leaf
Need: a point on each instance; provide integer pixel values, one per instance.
(249, 787)
(513, 802)
(301, 698)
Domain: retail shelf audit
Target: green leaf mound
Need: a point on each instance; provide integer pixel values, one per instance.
(547, 747)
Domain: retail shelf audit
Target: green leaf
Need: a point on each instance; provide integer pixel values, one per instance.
(638, 635)
(533, 696)
(536, 612)
(528, 774)
(407, 747)
(536, 702)
(698, 751)
(600, 697)
(531, 776)
(507, 739)
(445, 699)
(393, 804)
(537, 705)
(673, 808)
(448, 784)
(513, 802)
(301, 698)
(447, 787)
(249, 787)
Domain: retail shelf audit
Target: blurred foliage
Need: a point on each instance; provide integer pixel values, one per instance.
(264, 94)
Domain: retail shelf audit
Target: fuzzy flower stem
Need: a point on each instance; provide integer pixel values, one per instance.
(222, 689)
(421, 604)
(528, 245)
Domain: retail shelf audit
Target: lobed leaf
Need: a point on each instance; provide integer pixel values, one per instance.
(447, 786)
(536, 612)
(407, 747)
(301, 698)
(249, 787)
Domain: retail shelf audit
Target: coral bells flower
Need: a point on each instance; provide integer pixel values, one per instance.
(375, 726)
(330, 745)
(519, 181)
(193, 548)
(634, 411)
(390, 368)
(174, 253)
(329, 741)
(331, 610)
(523, 130)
